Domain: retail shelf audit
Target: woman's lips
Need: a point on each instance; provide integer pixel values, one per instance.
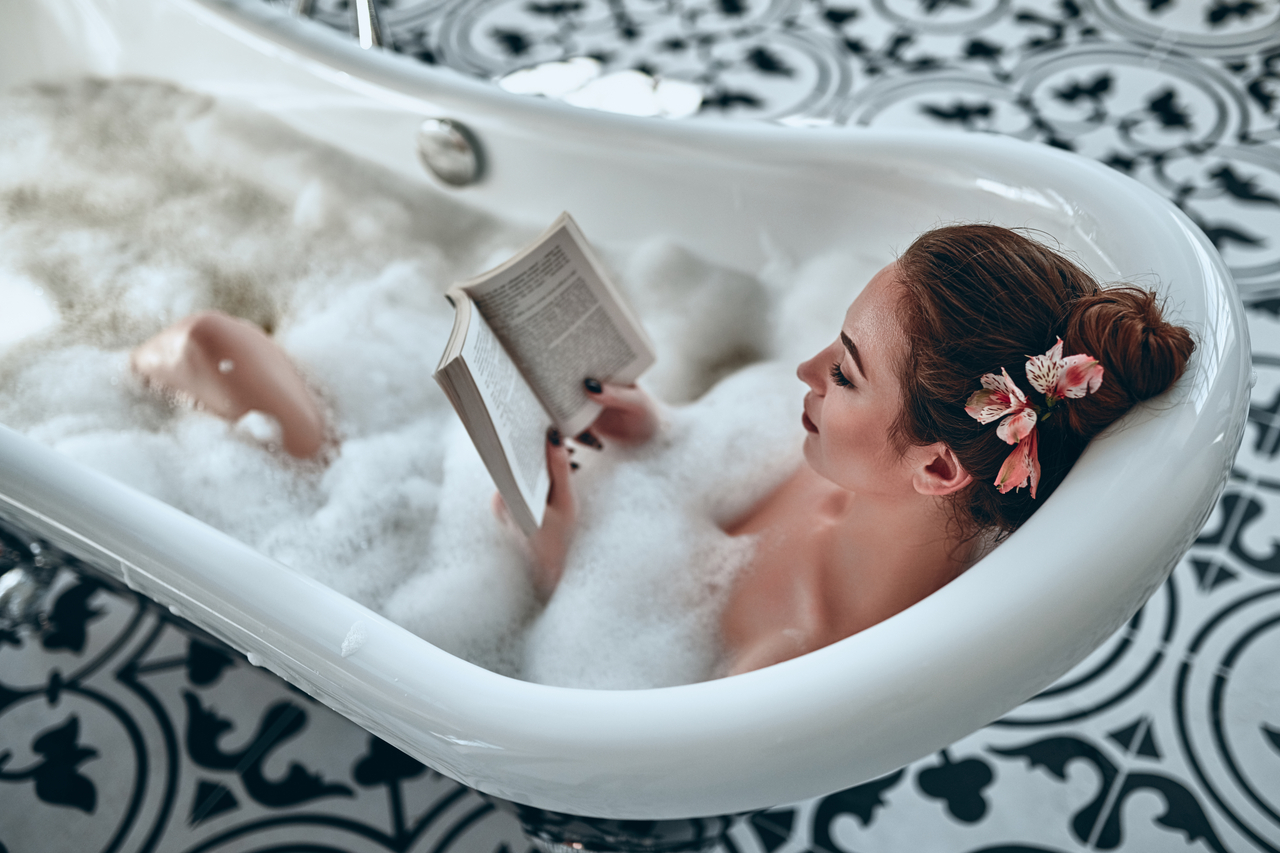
(808, 424)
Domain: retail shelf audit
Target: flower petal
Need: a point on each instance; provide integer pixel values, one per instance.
(1044, 371)
(1082, 374)
(1017, 426)
(1004, 384)
(1015, 472)
(987, 406)
(1033, 460)
(1021, 468)
(999, 397)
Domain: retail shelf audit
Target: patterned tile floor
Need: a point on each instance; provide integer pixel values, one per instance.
(123, 730)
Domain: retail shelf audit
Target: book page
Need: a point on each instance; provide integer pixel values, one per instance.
(518, 417)
(562, 321)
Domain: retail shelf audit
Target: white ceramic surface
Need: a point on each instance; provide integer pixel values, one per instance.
(833, 718)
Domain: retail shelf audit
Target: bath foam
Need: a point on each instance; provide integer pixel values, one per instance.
(130, 204)
(470, 559)
(711, 461)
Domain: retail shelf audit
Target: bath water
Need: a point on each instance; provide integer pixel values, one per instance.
(126, 205)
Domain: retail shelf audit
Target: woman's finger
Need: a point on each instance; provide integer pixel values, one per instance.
(630, 415)
(560, 497)
(588, 439)
(627, 398)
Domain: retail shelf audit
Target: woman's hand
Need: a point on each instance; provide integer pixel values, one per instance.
(550, 543)
(630, 415)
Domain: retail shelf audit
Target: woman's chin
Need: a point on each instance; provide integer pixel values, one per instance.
(812, 454)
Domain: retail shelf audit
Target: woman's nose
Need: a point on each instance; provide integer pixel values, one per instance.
(811, 374)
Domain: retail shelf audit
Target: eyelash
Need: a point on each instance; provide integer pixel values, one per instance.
(838, 377)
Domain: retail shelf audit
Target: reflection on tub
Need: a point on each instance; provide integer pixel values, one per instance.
(580, 81)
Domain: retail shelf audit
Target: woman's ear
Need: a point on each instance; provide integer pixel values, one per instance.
(938, 471)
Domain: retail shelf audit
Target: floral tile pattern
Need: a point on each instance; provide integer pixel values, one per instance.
(124, 729)
(1183, 95)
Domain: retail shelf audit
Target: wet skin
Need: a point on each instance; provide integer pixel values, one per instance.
(858, 533)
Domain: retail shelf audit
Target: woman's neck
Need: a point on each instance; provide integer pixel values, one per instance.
(891, 552)
(829, 563)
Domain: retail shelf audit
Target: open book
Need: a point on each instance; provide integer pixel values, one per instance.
(524, 337)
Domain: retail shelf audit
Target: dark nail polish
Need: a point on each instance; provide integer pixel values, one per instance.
(553, 436)
(574, 465)
(587, 438)
(593, 385)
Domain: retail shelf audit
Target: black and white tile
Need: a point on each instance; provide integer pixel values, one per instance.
(1184, 95)
(123, 729)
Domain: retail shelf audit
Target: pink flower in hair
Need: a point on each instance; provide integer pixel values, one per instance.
(1055, 377)
(1059, 378)
(1000, 397)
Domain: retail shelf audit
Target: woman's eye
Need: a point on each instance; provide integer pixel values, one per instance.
(838, 377)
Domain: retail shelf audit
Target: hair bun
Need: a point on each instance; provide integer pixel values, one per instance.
(1142, 354)
(979, 298)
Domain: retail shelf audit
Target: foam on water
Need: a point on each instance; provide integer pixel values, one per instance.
(711, 462)
(130, 204)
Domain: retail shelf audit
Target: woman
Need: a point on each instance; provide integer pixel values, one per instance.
(939, 419)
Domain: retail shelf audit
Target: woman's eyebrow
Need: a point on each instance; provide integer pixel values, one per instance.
(853, 351)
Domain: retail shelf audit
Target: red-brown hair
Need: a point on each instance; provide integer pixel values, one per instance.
(976, 298)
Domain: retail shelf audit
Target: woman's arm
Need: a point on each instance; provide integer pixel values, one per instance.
(550, 543)
(630, 417)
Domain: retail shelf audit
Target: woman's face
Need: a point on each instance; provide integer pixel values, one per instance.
(855, 395)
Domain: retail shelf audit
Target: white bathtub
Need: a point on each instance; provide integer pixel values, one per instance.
(950, 664)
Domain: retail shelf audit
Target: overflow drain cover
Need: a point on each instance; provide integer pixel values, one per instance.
(450, 151)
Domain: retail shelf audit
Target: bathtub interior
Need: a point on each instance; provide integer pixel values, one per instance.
(743, 192)
(737, 197)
